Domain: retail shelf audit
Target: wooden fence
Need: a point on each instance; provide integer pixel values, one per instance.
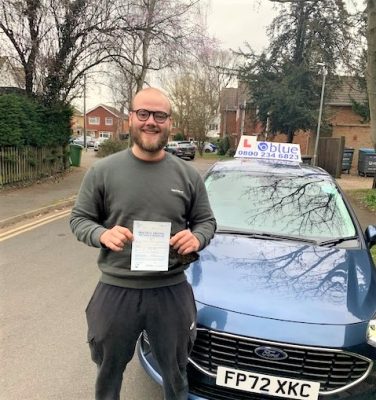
(330, 154)
(30, 163)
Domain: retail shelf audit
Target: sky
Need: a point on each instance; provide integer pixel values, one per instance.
(235, 22)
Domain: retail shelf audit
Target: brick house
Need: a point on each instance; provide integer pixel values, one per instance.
(77, 122)
(344, 121)
(237, 117)
(106, 121)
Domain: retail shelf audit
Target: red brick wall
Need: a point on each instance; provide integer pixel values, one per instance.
(250, 124)
(304, 139)
(228, 122)
(234, 122)
(357, 135)
(344, 123)
(344, 115)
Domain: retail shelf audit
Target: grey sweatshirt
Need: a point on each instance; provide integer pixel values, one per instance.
(120, 189)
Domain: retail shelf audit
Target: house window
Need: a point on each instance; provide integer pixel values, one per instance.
(213, 127)
(108, 121)
(94, 120)
(106, 135)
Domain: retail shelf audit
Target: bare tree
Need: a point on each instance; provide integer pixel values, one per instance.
(122, 84)
(78, 42)
(163, 34)
(194, 89)
(21, 24)
(57, 42)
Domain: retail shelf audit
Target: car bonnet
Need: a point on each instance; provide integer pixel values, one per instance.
(285, 280)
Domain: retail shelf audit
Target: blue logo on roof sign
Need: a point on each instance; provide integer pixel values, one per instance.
(262, 146)
(249, 147)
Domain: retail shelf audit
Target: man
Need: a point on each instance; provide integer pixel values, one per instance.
(143, 183)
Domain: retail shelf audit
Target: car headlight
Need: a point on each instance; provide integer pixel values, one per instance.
(371, 333)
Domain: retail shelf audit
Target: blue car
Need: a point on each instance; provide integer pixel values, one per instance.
(285, 292)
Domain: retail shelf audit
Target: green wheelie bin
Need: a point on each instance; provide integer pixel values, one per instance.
(75, 151)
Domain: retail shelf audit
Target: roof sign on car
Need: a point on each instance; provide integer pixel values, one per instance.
(249, 147)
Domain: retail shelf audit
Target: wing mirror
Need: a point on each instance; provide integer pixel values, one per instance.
(370, 235)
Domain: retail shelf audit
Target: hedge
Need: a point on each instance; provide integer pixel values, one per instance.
(26, 121)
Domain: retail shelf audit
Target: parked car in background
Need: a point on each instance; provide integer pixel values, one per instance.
(90, 142)
(209, 148)
(80, 141)
(285, 292)
(98, 143)
(181, 149)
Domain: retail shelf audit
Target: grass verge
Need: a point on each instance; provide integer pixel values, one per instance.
(214, 156)
(366, 198)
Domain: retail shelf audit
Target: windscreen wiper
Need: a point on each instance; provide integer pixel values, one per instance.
(333, 242)
(265, 236)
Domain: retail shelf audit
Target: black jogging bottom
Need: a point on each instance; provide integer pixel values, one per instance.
(116, 316)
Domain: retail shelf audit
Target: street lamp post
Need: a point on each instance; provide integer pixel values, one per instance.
(85, 146)
(225, 122)
(243, 108)
(324, 73)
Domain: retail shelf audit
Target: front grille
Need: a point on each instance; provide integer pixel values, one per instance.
(334, 370)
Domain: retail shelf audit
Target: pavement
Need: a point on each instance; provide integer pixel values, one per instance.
(44, 196)
(57, 193)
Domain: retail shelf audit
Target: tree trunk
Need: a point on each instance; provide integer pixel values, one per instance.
(290, 137)
(371, 69)
(301, 34)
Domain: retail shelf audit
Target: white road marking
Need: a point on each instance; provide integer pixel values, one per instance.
(32, 225)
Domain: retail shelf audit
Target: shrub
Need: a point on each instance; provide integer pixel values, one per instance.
(179, 136)
(111, 146)
(223, 145)
(370, 199)
(230, 152)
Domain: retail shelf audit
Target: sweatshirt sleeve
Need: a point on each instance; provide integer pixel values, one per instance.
(87, 213)
(202, 222)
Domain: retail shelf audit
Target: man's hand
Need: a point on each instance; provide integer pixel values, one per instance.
(116, 237)
(185, 242)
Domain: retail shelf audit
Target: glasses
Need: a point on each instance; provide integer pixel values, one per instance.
(159, 116)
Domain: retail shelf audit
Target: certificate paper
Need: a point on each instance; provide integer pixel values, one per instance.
(150, 246)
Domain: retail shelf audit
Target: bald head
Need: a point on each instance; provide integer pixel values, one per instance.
(154, 95)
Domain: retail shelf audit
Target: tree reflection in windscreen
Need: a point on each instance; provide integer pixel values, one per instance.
(308, 206)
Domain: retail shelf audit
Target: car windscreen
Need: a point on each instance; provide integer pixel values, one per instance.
(309, 206)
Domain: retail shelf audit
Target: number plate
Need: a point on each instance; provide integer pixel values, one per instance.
(267, 384)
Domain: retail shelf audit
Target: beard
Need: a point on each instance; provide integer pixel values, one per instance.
(150, 147)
